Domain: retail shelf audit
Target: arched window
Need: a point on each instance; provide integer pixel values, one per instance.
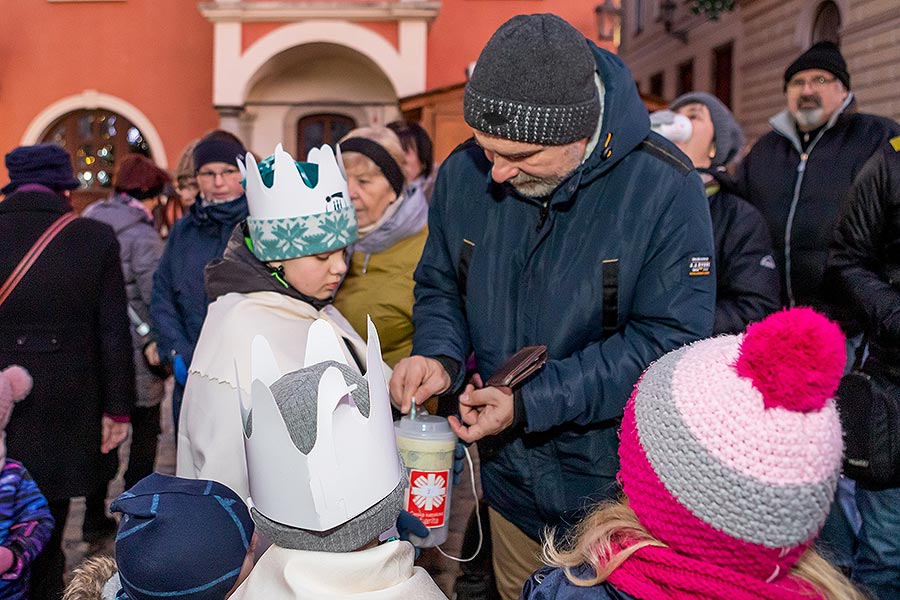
(827, 24)
(96, 139)
(315, 130)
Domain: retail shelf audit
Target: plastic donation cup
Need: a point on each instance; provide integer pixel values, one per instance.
(426, 444)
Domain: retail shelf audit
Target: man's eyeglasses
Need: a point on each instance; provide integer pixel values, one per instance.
(224, 174)
(816, 83)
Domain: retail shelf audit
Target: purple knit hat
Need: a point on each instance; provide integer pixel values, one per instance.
(44, 164)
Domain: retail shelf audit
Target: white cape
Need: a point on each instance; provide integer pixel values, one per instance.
(385, 572)
(210, 437)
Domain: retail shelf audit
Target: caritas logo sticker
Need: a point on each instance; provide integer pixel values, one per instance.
(427, 496)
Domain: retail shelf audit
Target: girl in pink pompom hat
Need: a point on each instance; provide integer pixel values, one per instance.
(25, 520)
(730, 454)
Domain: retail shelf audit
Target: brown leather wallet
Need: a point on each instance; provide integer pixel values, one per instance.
(519, 367)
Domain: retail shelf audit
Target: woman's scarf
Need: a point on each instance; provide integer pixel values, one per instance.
(405, 217)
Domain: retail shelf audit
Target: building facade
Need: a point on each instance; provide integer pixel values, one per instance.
(742, 56)
(106, 77)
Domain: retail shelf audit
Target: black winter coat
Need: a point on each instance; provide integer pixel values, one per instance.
(800, 193)
(67, 324)
(746, 275)
(864, 263)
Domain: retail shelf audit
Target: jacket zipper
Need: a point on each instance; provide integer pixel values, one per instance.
(801, 170)
(545, 210)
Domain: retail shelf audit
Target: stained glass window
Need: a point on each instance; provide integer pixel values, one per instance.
(95, 139)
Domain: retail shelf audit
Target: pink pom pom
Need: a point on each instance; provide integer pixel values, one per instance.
(19, 380)
(795, 358)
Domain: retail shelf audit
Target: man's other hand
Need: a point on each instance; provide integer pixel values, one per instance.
(484, 412)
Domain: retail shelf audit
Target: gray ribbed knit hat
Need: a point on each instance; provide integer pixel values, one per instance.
(296, 395)
(534, 83)
(728, 136)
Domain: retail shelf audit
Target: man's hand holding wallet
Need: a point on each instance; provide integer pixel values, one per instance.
(489, 409)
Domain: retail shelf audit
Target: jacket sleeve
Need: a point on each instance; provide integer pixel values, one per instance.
(854, 264)
(747, 278)
(440, 324)
(169, 329)
(145, 257)
(116, 352)
(32, 526)
(669, 308)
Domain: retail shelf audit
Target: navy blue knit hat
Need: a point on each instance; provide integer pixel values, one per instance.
(180, 538)
(218, 146)
(45, 164)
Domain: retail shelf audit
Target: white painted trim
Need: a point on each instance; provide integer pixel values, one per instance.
(234, 71)
(92, 99)
(274, 11)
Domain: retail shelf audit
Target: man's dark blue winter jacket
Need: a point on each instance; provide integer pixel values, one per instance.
(500, 271)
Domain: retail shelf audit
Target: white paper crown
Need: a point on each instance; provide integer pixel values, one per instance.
(289, 195)
(354, 463)
(291, 219)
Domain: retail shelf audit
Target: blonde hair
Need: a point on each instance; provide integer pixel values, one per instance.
(89, 578)
(611, 533)
(382, 136)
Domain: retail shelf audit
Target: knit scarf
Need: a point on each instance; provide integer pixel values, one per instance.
(662, 573)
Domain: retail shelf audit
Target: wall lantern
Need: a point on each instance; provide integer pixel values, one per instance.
(608, 16)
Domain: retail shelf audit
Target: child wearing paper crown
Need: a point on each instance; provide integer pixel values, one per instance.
(25, 519)
(730, 451)
(326, 479)
(277, 276)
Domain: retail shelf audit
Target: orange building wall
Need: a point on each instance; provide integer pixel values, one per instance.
(156, 55)
(463, 27)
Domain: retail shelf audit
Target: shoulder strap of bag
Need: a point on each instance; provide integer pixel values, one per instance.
(32, 255)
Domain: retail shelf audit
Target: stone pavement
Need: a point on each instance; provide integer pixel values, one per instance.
(443, 570)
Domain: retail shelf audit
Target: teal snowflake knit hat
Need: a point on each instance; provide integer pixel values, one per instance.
(298, 209)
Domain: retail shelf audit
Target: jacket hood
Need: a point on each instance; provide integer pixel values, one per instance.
(240, 271)
(117, 213)
(624, 122)
(784, 123)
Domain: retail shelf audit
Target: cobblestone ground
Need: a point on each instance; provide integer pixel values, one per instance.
(443, 570)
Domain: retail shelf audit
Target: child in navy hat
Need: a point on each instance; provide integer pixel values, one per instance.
(180, 538)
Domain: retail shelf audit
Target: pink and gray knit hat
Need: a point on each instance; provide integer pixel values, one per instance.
(731, 447)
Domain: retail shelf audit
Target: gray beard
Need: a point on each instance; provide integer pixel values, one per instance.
(534, 187)
(810, 118)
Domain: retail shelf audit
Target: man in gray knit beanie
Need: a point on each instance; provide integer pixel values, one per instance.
(534, 86)
(563, 223)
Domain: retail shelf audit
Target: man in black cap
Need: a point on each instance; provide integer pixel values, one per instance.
(66, 322)
(797, 176)
(565, 222)
(179, 300)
